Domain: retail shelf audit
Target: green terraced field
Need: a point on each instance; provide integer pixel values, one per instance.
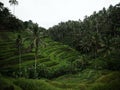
(54, 54)
(52, 62)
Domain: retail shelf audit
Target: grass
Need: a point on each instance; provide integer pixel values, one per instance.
(7, 84)
(29, 84)
(109, 78)
(114, 85)
(110, 81)
(6, 55)
(25, 84)
(85, 76)
(65, 82)
(50, 63)
(7, 50)
(24, 57)
(31, 63)
(68, 86)
(53, 54)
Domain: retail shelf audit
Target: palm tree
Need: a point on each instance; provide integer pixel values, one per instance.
(107, 46)
(19, 46)
(35, 41)
(36, 44)
(1, 6)
(13, 2)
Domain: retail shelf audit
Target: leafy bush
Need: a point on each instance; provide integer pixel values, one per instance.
(113, 60)
(80, 63)
(99, 64)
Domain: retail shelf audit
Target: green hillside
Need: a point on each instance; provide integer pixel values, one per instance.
(51, 57)
(54, 63)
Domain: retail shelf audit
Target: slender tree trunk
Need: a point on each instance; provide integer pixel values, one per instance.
(19, 45)
(35, 62)
(36, 54)
(14, 9)
(20, 61)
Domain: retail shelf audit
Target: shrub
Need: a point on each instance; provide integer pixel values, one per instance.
(113, 60)
(99, 64)
(80, 63)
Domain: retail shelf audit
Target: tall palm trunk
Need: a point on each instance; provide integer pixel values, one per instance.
(36, 55)
(14, 9)
(19, 45)
(20, 60)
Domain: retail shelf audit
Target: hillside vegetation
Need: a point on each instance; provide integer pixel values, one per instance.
(53, 63)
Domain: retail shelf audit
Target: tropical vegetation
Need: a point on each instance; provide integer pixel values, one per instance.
(73, 55)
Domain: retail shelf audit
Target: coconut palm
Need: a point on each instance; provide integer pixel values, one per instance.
(35, 41)
(13, 2)
(1, 6)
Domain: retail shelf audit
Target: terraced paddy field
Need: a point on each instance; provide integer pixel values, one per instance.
(95, 80)
(54, 69)
(52, 55)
